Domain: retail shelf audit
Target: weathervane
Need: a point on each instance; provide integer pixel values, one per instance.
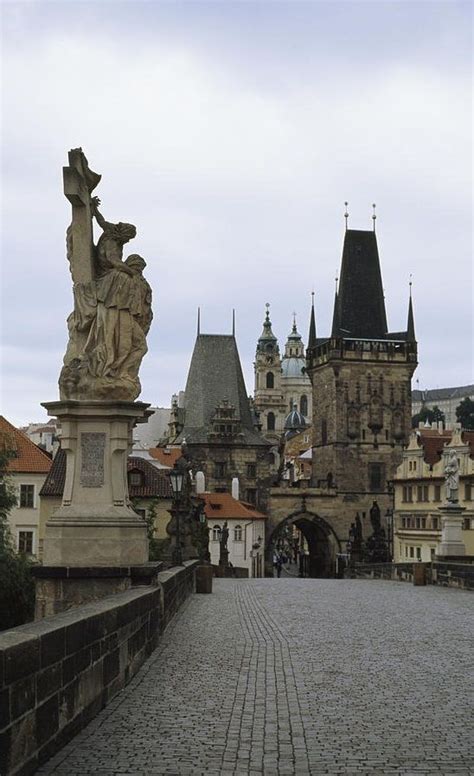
(410, 282)
(374, 215)
(346, 214)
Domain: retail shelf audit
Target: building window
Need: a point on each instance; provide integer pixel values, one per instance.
(251, 495)
(270, 381)
(270, 422)
(220, 468)
(422, 493)
(135, 478)
(418, 553)
(304, 405)
(434, 523)
(466, 524)
(324, 431)
(376, 478)
(27, 496)
(251, 470)
(238, 533)
(25, 542)
(423, 522)
(437, 493)
(216, 533)
(407, 493)
(412, 552)
(468, 491)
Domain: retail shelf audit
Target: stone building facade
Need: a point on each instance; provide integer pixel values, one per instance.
(420, 492)
(361, 384)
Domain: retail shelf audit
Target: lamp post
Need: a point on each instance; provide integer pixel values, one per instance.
(176, 476)
(389, 516)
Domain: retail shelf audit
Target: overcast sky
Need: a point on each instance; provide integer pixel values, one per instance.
(231, 134)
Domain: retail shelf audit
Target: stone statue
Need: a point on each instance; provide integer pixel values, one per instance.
(112, 300)
(451, 476)
(224, 552)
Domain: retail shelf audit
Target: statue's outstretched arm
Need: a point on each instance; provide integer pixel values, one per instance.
(95, 202)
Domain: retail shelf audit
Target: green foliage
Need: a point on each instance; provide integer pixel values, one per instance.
(426, 414)
(155, 546)
(465, 413)
(17, 587)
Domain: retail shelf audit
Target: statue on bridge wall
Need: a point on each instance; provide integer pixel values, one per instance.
(112, 300)
(451, 476)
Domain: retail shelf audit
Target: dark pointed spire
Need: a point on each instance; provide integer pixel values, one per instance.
(312, 326)
(267, 336)
(411, 321)
(360, 297)
(233, 322)
(335, 330)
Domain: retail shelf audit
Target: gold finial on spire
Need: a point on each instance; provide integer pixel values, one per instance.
(346, 214)
(374, 214)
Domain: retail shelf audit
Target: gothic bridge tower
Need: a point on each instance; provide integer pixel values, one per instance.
(361, 387)
(361, 380)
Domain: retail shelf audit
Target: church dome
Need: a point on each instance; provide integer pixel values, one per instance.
(295, 422)
(293, 367)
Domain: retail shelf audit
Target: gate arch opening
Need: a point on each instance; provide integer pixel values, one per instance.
(320, 540)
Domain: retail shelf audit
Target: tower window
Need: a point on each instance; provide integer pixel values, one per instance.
(270, 421)
(304, 405)
(270, 382)
(324, 431)
(376, 476)
(220, 468)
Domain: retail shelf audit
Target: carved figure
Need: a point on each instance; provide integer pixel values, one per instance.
(112, 300)
(451, 475)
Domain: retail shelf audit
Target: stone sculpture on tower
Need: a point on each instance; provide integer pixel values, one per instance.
(96, 527)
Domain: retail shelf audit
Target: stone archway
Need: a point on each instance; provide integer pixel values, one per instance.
(322, 541)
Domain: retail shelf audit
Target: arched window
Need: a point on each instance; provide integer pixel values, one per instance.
(216, 533)
(270, 422)
(238, 533)
(270, 380)
(304, 405)
(135, 478)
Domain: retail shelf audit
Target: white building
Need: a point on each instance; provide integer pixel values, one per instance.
(246, 526)
(447, 399)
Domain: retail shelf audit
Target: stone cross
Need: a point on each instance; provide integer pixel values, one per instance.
(79, 182)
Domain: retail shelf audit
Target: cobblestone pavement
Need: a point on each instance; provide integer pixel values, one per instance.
(296, 676)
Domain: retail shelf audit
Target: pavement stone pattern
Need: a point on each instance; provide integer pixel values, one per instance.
(296, 676)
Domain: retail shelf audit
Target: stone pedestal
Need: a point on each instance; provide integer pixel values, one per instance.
(95, 526)
(204, 576)
(451, 531)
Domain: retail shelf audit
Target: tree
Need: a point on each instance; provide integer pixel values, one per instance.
(17, 587)
(465, 413)
(433, 415)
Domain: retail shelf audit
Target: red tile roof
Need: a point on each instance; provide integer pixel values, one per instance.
(28, 457)
(154, 483)
(222, 506)
(433, 443)
(167, 456)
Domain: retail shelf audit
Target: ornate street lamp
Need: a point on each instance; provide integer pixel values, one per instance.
(176, 476)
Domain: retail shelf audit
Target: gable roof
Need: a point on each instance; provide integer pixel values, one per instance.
(28, 457)
(155, 483)
(222, 506)
(433, 443)
(433, 394)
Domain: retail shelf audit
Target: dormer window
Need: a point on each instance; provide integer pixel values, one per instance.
(135, 478)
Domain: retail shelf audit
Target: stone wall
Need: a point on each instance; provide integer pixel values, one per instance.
(58, 673)
(444, 573)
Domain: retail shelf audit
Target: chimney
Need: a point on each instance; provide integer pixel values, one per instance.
(235, 488)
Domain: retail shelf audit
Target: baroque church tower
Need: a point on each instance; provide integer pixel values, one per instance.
(361, 380)
(268, 396)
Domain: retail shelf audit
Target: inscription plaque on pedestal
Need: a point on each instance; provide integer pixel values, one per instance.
(92, 459)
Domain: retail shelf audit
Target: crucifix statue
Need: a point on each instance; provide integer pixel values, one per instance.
(112, 300)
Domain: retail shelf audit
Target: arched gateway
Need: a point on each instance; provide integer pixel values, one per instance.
(323, 543)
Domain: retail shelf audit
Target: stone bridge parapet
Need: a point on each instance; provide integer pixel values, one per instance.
(57, 673)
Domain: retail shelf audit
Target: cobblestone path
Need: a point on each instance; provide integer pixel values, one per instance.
(296, 676)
